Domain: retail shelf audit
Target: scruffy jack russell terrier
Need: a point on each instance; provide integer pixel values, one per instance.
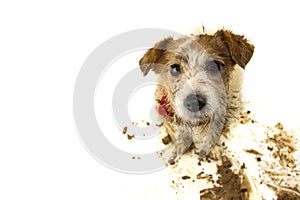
(195, 93)
(199, 101)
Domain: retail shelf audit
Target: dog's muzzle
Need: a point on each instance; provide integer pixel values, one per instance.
(194, 102)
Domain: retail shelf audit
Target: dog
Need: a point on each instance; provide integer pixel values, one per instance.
(194, 85)
(198, 100)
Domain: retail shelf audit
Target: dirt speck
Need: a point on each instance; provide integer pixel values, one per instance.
(199, 176)
(279, 126)
(166, 140)
(185, 177)
(124, 130)
(245, 118)
(135, 123)
(130, 137)
(252, 151)
(258, 159)
(136, 157)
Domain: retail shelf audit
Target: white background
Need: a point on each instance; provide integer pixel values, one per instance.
(42, 47)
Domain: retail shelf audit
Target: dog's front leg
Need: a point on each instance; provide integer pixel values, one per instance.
(183, 141)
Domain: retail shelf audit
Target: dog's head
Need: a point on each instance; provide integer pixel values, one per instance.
(194, 71)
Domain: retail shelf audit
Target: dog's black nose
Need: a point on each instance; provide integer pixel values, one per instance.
(194, 103)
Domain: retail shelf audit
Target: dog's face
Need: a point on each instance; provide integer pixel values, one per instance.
(194, 72)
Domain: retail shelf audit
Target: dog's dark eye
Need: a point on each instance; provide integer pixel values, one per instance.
(212, 66)
(175, 69)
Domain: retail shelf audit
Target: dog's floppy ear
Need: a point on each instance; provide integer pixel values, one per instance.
(147, 62)
(240, 50)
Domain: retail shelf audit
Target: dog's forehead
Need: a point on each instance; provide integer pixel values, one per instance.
(189, 50)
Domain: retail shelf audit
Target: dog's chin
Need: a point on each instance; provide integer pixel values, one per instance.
(194, 119)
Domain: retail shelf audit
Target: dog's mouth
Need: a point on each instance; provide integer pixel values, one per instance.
(164, 107)
(199, 120)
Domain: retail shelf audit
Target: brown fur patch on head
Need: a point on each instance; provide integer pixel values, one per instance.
(152, 56)
(229, 47)
(240, 50)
